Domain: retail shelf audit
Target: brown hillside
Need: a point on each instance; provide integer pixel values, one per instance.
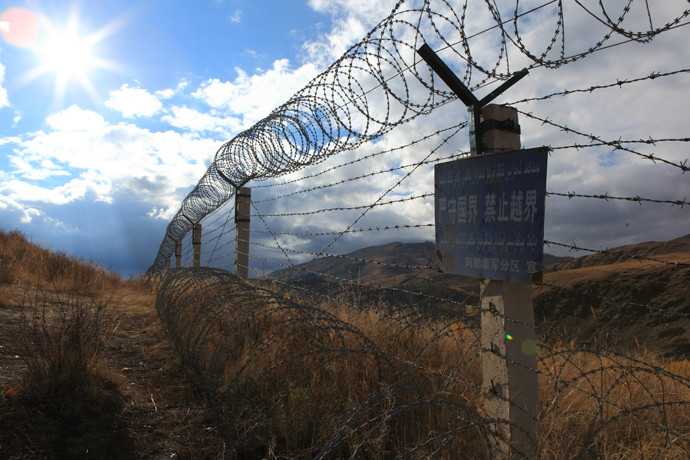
(362, 265)
(635, 302)
(674, 250)
(130, 401)
(617, 293)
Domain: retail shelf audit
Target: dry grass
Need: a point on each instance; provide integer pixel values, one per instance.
(88, 364)
(61, 340)
(62, 315)
(26, 264)
(294, 378)
(604, 405)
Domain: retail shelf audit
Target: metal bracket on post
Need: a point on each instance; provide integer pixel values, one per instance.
(474, 105)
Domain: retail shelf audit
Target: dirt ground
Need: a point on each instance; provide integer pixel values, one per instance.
(154, 413)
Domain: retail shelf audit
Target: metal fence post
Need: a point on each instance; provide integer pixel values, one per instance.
(196, 242)
(511, 394)
(243, 197)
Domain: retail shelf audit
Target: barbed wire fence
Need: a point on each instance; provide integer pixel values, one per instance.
(328, 353)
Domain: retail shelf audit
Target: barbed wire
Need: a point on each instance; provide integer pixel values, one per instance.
(346, 257)
(650, 141)
(575, 247)
(382, 228)
(282, 326)
(333, 113)
(607, 197)
(347, 208)
(591, 89)
(360, 159)
(310, 366)
(682, 165)
(368, 175)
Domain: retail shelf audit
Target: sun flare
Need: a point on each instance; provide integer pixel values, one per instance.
(64, 51)
(67, 54)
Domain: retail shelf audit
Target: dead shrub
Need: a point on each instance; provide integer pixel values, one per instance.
(61, 338)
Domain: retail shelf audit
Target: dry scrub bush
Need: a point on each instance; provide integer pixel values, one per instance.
(61, 339)
(66, 403)
(307, 380)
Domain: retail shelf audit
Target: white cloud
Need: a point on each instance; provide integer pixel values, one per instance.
(134, 102)
(29, 215)
(76, 189)
(193, 120)
(161, 213)
(168, 93)
(35, 170)
(4, 100)
(236, 16)
(255, 96)
(76, 119)
(373, 11)
(352, 20)
(103, 160)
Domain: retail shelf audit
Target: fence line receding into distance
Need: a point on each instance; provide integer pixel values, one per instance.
(354, 356)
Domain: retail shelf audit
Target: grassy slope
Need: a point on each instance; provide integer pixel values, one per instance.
(136, 403)
(142, 408)
(638, 303)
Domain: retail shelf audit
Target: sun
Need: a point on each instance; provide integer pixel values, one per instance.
(65, 51)
(67, 54)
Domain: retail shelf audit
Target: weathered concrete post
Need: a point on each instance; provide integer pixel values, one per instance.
(196, 243)
(511, 394)
(178, 254)
(243, 196)
(508, 345)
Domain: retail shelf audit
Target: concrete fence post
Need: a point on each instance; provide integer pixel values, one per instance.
(511, 394)
(178, 254)
(243, 196)
(196, 243)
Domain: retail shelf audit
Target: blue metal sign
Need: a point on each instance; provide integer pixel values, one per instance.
(490, 215)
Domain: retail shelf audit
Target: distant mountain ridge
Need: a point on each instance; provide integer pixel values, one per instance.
(617, 292)
(356, 266)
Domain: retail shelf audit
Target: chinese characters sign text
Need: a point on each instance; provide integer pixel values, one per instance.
(490, 215)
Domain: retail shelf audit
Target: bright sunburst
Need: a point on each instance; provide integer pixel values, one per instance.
(67, 54)
(64, 51)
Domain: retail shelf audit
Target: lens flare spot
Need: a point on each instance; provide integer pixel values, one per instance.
(529, 347)
(509, 337)
(19, 27)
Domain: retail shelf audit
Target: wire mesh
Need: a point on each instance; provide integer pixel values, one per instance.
(329, 353)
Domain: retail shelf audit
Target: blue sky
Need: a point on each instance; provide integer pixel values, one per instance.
(76, 150)
(96, 156)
